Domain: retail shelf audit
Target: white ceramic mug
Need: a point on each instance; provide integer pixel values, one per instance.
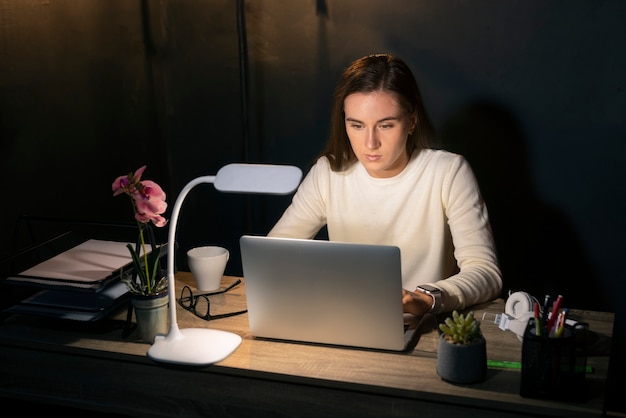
(207, 264)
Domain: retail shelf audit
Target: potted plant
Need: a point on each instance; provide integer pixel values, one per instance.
(462, 354)
(147, 283)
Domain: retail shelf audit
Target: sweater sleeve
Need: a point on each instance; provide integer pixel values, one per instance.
(479, 278)
(306, 214)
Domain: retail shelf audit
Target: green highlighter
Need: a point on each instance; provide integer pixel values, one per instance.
(516, 365)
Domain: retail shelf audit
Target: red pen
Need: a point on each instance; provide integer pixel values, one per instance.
(555, 309)
(537, 321)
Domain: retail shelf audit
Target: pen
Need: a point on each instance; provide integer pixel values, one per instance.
(561, 325)
(544, 316)
(555, 309)
(554, 332)
(537, 321)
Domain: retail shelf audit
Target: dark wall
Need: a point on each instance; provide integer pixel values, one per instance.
(531, 92)
(78, 108)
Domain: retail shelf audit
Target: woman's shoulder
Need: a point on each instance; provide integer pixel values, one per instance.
(322, 163)
(320, 171)
(320, 167)
(439, 157)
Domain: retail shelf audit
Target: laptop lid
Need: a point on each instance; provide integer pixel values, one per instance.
(325, 292)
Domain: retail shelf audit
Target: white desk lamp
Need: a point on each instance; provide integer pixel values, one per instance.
(204, 346)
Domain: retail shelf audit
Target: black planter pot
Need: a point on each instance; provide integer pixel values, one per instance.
(462, 364)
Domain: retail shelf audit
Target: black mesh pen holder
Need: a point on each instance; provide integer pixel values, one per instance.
(554, 367)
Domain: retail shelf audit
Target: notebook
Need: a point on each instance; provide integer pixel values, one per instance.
(325, 292)
(73, 305)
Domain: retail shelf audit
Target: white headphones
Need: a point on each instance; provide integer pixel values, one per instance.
(519, 303)
(518, 309)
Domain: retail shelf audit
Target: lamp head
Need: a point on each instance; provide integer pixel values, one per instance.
(258, 178)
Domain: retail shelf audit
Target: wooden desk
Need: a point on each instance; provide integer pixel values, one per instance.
(92, 367)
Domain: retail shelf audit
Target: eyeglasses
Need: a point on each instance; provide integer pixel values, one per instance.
(200, 305)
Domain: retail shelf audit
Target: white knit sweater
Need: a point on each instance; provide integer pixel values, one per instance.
(432, 211)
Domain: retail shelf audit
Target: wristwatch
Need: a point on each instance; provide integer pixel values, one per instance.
(433, 292)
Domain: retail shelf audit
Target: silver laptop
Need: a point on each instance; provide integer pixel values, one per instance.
(325, 292)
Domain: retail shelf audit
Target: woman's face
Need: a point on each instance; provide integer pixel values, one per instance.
(378, 127)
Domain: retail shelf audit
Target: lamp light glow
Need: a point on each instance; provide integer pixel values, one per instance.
(204, 346)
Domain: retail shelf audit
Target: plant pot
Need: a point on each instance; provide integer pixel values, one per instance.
(462, 364)
(151, 314)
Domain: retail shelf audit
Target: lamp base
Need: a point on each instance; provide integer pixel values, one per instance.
(194, 346)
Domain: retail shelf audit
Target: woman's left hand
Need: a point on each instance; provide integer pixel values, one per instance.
(416, 303)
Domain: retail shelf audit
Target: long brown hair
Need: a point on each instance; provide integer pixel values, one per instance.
(379, 72)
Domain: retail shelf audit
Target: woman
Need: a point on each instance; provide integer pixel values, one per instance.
(378, 181)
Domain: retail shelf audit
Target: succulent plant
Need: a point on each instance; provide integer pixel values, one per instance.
(461, 329)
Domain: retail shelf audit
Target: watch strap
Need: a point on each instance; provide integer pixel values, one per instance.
(433, 292)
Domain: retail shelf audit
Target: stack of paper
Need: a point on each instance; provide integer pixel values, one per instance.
(90, 265)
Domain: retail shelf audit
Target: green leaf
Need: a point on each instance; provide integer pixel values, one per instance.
(137, 263)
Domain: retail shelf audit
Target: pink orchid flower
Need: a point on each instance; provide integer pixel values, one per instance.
(148, 200)
(148, 197)
(150, 203)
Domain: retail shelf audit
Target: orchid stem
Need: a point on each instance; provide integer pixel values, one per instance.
(145, 256)
(143, 249)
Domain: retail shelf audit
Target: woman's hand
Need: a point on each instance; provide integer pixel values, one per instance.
(416, 303)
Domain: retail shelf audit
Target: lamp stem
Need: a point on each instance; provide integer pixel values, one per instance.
(171, 248)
